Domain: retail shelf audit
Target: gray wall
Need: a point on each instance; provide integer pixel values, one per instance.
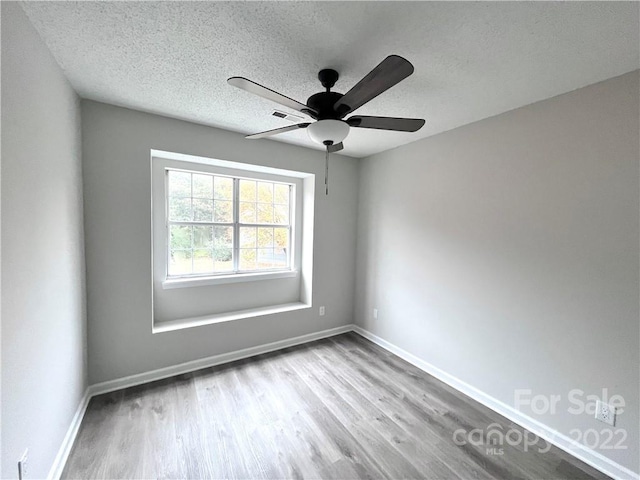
(116, 168)
(43, 314)
(506, 252)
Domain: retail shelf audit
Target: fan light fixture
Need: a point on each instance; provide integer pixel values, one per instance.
(328, 132)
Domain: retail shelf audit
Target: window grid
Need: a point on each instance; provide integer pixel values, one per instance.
(236, 225)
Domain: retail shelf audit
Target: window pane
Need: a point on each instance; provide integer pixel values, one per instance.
(223, 211)
(247, 237)
(281, 194)
(202, 210)
(180, 237)
(265, 213)
(223, 237)
(206, 249)
(281, 214)
(223, 259)
(202, 261)
(281, 237)
(247, 259)
(247, 212)
(247, 191)
(265, 237)
(179, 184)
(202, 237)
(180, 262)
(265, 192)
(281, 250)
(223, 188)
(179, 209)
(265, 258)
(280, 258)
(202, 186)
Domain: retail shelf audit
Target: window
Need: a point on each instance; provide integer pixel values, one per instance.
(229, 239)
(225, 225)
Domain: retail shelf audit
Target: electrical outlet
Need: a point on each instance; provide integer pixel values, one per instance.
(321, 311)
(22, 465)
(605, 413)
(375, 313)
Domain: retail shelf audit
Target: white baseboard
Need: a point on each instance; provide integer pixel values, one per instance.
(69, 438)
(138, 379)
(587, 455)
(130, 381)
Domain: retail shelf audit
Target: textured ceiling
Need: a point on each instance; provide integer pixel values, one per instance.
(472, 60)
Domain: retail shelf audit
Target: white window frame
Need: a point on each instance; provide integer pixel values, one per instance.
(175, 162)
(236, 224)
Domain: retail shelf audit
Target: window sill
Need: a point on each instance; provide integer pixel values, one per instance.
(173, 325)
(219, 280)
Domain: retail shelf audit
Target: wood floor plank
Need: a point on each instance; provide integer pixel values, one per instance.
(221, 419)
(422, 423)
(340, 408)
(343, 397)
(370, 426)
(273, 415)
(307, 450)
(190, 435)
(445, 419)
(463, 411)
(341, 437)
(97, 426)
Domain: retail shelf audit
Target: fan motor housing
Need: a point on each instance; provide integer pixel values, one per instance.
(323, 103)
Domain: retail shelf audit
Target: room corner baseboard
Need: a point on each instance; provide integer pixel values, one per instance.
(588, 456)
(130, 381)
(159, 374)
(67, 443)
(581, 452)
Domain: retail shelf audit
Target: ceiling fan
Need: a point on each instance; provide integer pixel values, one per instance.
(330, 108)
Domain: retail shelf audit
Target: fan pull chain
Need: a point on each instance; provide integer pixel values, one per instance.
(326, 172)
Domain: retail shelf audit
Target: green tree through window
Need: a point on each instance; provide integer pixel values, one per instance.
(203, 224)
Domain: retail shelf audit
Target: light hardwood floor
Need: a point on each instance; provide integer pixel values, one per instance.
(338, 408)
